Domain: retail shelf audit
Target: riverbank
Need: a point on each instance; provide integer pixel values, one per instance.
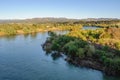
(82, 52)
(17, 32)
(16, 28)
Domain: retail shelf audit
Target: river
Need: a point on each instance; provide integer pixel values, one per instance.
(22, 58)
(90, 27)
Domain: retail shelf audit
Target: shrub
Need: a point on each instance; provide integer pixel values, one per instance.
(55, 46)
(90, 50)
(70, 48)
(80, 53)
(117, 45)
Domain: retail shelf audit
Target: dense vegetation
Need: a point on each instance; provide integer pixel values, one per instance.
(100, 23)
(15, 28)
(106, 37)
(49, 24)
(96, 22)
(84, 47)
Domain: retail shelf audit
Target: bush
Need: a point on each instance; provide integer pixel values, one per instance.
(90, 50)
(117, 45)
(55, 46)
(105, 48)
(70, 48)
(51, 34)
(80, 43)
(80, 53)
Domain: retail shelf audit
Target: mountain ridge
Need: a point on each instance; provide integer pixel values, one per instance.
(52, 19)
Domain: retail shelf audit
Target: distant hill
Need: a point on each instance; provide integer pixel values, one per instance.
(38, 20)
(51, 19)
(100, 19)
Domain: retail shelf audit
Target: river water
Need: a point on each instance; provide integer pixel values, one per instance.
(90, 27)
(22, 58)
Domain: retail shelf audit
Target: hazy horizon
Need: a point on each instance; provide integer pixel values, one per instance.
(71, 9)
(54, 17)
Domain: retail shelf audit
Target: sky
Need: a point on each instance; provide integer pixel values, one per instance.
(77, 9)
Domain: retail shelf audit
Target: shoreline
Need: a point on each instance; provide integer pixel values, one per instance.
(90, 64)
(92, 55)
(86, 62)
(22, 32)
